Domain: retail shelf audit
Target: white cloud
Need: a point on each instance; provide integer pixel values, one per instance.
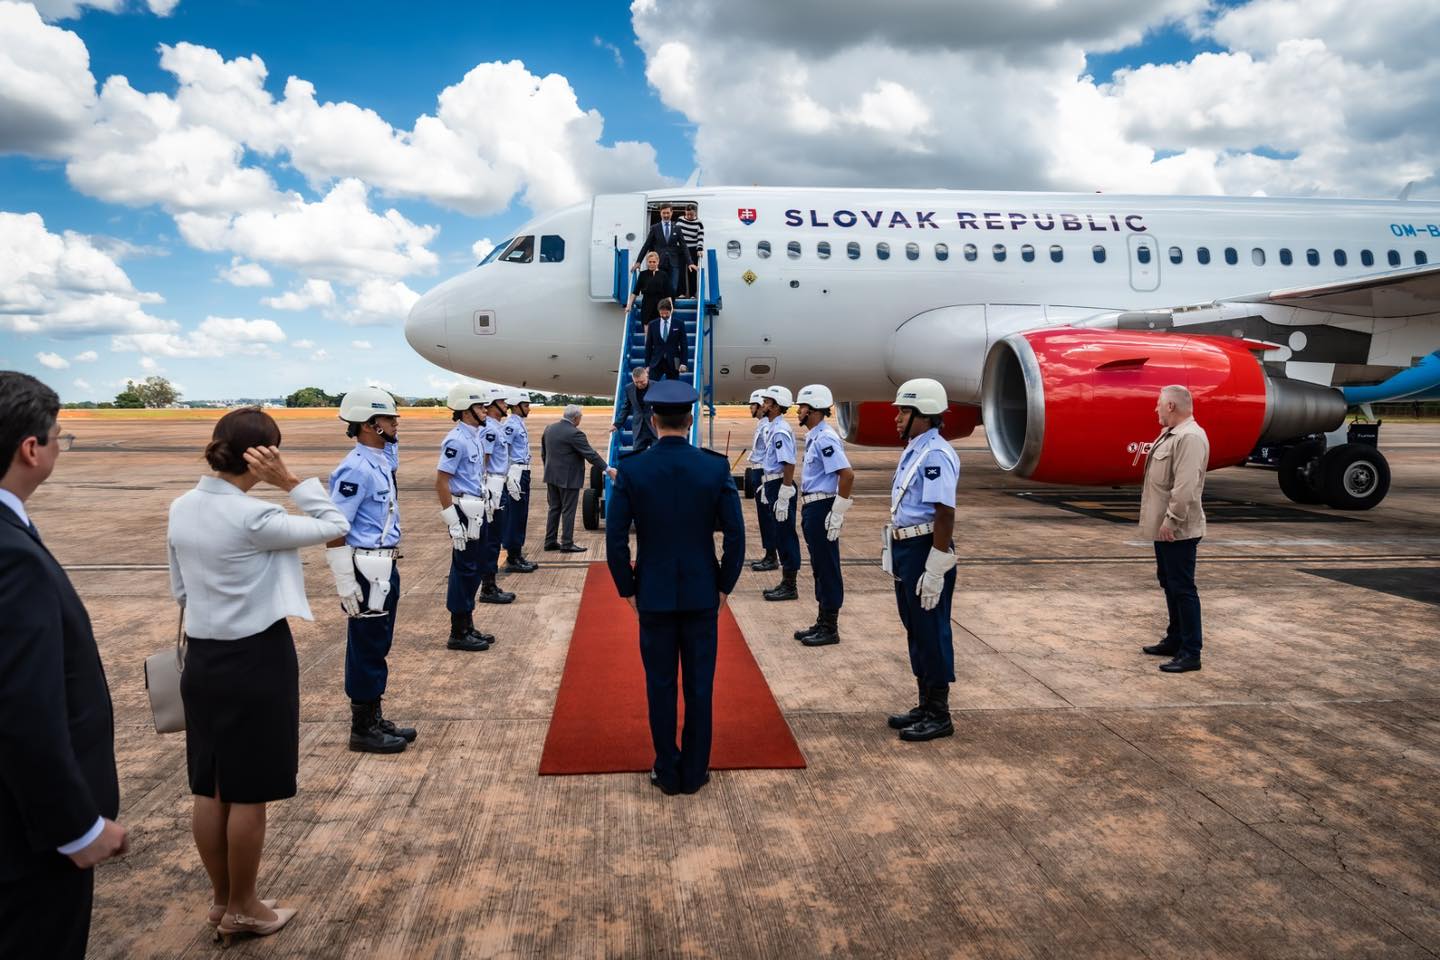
(614, 51)
(377, 302)
(312, 293)
(46, 89)
(242, 274)
(65, 9)
(303, 344)
(52, 360)
(64, 286)
(215, 337)
(319, 355)
(362, 344)
(82, 383)
(481, 248)
(88, 356)
(149, 364)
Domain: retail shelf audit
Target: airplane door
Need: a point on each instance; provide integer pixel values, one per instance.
(1144, 262)
(616, 221)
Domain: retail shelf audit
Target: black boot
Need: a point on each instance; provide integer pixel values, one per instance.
(463, 635)
(802, 634)
(766, 563)
(827, 631)
(481, 635)
(489, 593)
(404, 733)
(785, 589)
(936, 722)
(516, 563)
(899, 721)
(365, 733)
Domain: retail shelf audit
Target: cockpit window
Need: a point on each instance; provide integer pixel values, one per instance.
(495, 251)
(521, 250)
(552, 249)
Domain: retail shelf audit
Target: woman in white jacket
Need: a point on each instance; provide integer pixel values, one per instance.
(235, 568)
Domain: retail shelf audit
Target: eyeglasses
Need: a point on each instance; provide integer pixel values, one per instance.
(64, 442)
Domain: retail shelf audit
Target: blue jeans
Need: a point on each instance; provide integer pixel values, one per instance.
(683, 639)
(367, 644)
(824, 555)
(1175, 569)
(932, 651)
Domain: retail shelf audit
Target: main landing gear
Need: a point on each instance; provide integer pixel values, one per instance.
(1351, 476)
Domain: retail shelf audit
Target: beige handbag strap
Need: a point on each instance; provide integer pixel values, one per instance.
(180, 640)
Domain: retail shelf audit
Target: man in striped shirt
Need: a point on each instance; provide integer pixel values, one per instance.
(693, 232)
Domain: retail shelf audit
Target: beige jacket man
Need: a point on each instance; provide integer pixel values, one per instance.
(1175, 482)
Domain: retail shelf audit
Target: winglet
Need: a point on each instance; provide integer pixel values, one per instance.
(694, 180)
(1405, 193)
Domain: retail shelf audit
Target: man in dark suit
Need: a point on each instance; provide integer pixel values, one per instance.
(668, 240)
(635, 408)
(564, 450)
(677, 495)
(667, 350)
(59, 793)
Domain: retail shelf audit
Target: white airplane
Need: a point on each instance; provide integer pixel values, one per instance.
(1052, 318)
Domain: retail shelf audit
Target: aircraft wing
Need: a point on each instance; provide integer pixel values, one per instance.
(1408, 292)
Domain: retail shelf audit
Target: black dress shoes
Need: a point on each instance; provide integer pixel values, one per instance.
(1181, 664)
(572, 548)
(655, 782)
(1164, 648)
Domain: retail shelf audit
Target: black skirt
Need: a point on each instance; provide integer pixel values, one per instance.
(242, 716)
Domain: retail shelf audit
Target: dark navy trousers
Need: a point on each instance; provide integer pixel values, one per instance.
(824, 555)
(763, 516)
(684, 640)
(367, 644)
(465, 576)
(782, 532)
(490, 538)
(1175, 569)
(517, 512)
(932, 654)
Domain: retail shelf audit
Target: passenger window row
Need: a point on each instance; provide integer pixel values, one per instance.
(1143, 254)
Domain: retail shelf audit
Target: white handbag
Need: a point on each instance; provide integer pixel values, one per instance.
(162, 682)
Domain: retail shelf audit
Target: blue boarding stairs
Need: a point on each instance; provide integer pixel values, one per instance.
(697, 315)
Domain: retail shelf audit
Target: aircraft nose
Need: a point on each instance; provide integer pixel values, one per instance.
(425, 328)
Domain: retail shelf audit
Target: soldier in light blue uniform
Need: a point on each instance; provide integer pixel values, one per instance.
(517, 483)
(462, 507)
(755, 474)
(778, 492)
(826, 479)
(920, 554)
(363, 562)
(496, 453)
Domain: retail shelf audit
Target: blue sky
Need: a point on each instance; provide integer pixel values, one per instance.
(150, 197)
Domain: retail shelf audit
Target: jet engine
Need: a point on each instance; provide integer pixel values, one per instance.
(1068, 405)
(871, 423)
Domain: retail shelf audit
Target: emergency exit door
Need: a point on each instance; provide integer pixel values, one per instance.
(616, 222)
(1144, 262)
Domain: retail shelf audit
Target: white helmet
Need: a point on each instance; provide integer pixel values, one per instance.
(360, 405)
(516, 395)
(781, 395)
(925, 395)
(817, 396)
(757, 396)
(496, 395)
(463, 396)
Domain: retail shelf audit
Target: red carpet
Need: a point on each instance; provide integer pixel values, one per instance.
(600, 725)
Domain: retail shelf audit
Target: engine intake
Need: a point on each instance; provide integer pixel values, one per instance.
(1077, 406)
(871, 423)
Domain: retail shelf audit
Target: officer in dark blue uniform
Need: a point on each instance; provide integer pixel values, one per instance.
(677, 496)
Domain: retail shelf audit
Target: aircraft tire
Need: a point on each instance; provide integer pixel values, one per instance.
(1356, 476)
(1299, 481)
(590, 509)
(597, 477)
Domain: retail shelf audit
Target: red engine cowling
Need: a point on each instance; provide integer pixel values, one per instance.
(871, 423)
(1078, 406)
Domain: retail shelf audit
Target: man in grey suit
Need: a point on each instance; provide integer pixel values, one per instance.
(634, 408)
(564, 451)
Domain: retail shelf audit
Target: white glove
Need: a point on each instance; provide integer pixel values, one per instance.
(782, 502)
(342, 564)
(836, 519)
(932, 581)
(494, 490)
(761, 494)
(512, 480)
(451, 516)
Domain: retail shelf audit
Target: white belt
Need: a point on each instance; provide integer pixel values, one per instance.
(524, 466)
(906, 533)
(392, 553)
(771, 476)
(814, 497)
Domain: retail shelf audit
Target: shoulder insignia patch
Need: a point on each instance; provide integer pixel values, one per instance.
(779, 443)
(490, 436)
(932, 473)
(450, 451)
(828, 451)
(348, 488)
